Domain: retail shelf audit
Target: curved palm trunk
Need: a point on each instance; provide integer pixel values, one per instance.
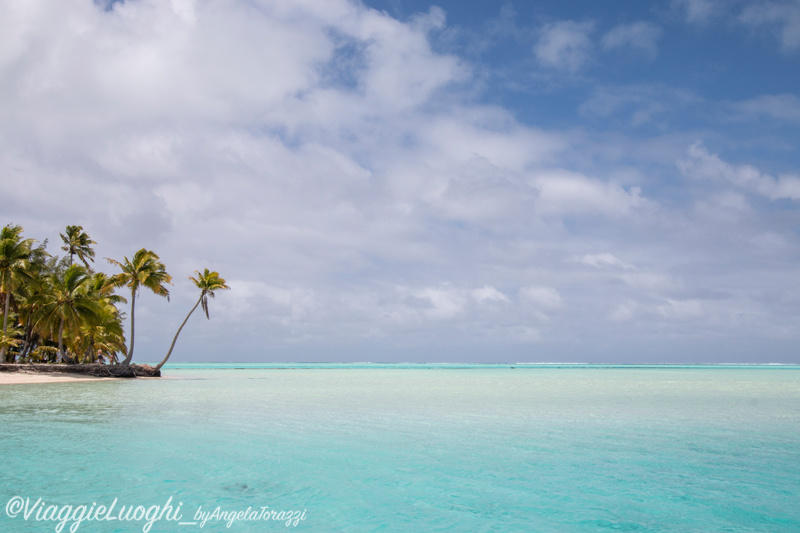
(128, 359)
(171, 346)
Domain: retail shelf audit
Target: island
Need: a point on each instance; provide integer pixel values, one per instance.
(61, 316)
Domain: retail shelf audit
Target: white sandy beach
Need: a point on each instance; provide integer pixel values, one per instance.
(17, 378)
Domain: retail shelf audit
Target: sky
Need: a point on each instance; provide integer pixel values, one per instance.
(405, 180)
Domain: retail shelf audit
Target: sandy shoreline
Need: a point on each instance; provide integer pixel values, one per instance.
(19, 378)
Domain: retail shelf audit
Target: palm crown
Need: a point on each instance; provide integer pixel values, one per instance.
(69, 303)
(77, 242)
(208, 282)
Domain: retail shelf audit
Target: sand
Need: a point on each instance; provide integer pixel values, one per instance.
(18, 378)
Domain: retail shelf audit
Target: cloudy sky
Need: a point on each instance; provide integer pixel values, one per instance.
(401, 180)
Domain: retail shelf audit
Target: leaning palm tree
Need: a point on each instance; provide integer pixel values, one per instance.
(207, 282)
(14, 260)
(144, 270)
(68, 304)
(77, 242)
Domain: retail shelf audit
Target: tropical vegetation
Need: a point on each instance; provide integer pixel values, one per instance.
(60, 310)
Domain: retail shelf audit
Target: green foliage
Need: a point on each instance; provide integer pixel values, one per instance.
(68, 303)
(43, 354)
(55, 308)
(208, 282)
(15, 255)
(11, 339)
(77, 242)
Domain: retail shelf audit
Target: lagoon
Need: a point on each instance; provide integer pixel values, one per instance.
(409, 447)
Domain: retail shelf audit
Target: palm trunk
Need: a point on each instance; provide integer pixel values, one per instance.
(89, 355)
(5, 324)
(5, 311)
(26, 346)
(128, 359)
(171, 346)
(66, 359)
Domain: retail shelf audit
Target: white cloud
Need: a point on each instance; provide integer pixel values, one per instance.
(782, 107)
(327, 161)
(546, 298)
(639, 104)
(698, 11)
(729, 207)
(681, 309)
(441, 303)
(781, 18)
(701, 164)
(185, 198)
(651, 282)
(570, 193)
(624, 312)
(641, 36)
(458, 139)
(269, 301)
(146, 153)
(605, 260)
(401, 71)
(565, 45)
(488, 294)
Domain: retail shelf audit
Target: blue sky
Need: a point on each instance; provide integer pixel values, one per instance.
(403, 180)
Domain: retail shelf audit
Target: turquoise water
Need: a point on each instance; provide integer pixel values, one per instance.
(411, 448)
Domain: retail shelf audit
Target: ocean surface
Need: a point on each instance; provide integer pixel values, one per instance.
(406, 448)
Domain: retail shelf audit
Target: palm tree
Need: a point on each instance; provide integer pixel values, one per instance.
(68, 304)
(14, 255)
(108, 340)
(145, 270)
(40, 266)
(105, 337)
(207, 282)
(102, 338)
(77, 242)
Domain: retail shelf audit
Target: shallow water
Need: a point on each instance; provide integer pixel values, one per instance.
(401, 448)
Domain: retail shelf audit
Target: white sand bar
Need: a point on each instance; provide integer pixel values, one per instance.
(17, 378)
